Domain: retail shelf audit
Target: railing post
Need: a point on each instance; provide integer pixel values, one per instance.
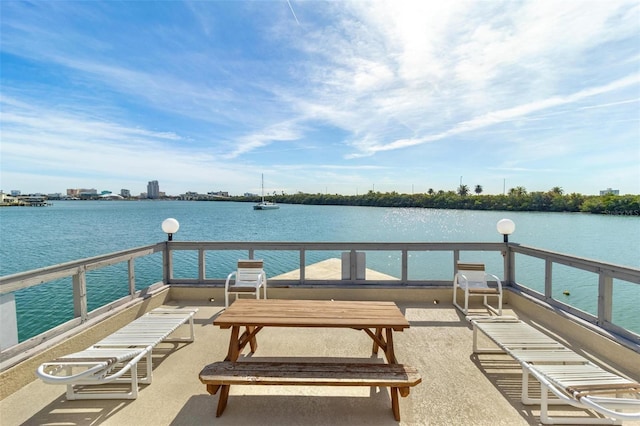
(456, 259)
(132, 278)
(548, 279)
(352, 265)
(404, 274)
(201, 265)
(605, 299)
(9, 323)
(167, 263)
(80, 295)
(512, 267)
(509, 265)
(302, 265)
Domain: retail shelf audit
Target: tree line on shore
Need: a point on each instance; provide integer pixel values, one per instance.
(517, 199)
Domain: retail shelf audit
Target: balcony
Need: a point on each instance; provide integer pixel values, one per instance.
(458, 387)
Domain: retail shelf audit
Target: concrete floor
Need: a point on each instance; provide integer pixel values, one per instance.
(458, 388)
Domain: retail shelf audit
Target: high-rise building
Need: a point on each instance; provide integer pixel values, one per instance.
(153, 189)
(610, 191)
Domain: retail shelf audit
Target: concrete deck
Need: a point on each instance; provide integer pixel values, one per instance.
(457, 389)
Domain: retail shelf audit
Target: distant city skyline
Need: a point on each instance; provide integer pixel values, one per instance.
(320, 96)
(128, 193)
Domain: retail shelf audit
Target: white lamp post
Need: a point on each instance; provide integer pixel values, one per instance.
(506, 227)
(170, 226)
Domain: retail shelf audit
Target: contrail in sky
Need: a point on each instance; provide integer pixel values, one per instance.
(294, 14)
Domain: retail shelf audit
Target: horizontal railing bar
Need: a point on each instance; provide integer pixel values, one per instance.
(326, 246)
(295, 282)
(623, 336)
(616, 271)
(14, 282)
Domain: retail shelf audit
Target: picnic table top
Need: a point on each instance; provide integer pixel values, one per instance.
(312, 313)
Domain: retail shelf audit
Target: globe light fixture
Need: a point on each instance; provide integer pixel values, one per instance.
(506, 227)
(170, 226)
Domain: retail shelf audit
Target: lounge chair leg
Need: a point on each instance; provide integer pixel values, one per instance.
(545, 419)
(466, 303)
(134, 380)
(149, 375)
(70, 393)
(192, 335)
(544, 406)
(475, 339)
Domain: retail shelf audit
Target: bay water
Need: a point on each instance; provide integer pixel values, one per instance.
(35, 237)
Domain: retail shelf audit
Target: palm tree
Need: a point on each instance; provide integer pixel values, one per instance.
(478, 189)
(463, 190)
(556, 190)
(430, 191)
(518, 191)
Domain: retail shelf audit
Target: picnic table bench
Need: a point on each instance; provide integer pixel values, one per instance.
(395, 376)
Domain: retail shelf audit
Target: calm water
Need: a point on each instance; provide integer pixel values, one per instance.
(69, 230)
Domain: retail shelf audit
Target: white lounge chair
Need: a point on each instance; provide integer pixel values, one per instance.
(115, 358)
(587, 386)
(572, 378)
(509, 334)
(471, 278)
(247, 279)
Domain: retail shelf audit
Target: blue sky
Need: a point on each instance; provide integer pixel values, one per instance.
(320, 96)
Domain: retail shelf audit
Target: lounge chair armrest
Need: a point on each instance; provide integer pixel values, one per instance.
(98, 369)
(229, 277)
(497, 280)
(61, 380)
(611, 406)
(461, 278)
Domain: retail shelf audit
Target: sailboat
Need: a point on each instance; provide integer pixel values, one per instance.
(265, 205)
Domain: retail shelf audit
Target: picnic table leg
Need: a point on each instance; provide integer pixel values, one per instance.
(253, 343)
(222, 402)
(234, 344)
(391, 359)
(389, 352)
(232, 355)
(395, 404)
(375, 344)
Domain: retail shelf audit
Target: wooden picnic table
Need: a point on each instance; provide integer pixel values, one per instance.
(246, 317)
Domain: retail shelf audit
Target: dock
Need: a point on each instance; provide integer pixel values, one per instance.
(329, 269)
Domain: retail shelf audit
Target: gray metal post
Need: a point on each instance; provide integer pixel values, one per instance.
(80, 295)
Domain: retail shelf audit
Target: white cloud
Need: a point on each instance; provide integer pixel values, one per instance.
(378, 83)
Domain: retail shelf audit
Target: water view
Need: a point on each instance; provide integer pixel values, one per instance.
(71, 230)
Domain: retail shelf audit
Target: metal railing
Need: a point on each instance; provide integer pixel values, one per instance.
(504, 253)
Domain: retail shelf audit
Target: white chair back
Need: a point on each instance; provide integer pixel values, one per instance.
(249, 270)
(474, 272)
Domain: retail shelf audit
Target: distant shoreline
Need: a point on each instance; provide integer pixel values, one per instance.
(610, 204)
